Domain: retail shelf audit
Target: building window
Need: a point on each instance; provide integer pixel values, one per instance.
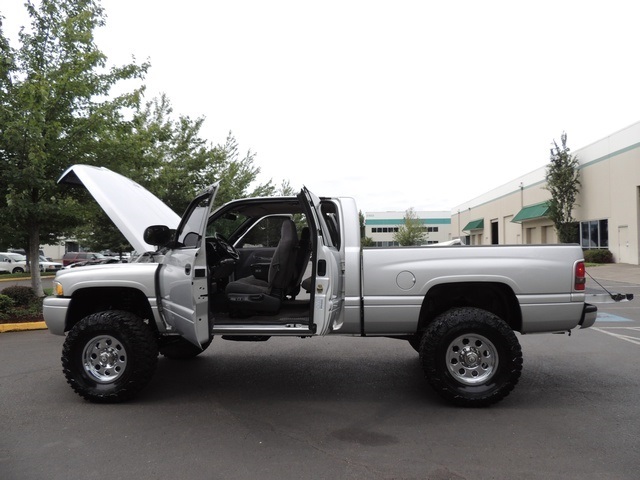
(594, 234)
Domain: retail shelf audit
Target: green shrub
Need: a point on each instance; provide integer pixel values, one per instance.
(21, 296)
(6, 303)
(598, 256)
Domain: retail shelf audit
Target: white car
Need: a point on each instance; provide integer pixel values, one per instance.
(47, 266)
(13, 262)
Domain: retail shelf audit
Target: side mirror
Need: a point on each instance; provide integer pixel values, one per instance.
(158, 235)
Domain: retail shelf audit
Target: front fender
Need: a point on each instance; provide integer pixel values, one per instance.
(138, 276)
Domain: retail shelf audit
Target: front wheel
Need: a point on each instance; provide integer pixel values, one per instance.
(109, 356)
(18, 270)
(471, 357)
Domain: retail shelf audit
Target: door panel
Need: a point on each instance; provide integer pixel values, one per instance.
(183, 281)
(328, 296)
(327, 293)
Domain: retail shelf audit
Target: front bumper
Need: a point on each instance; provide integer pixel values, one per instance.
(54, 311)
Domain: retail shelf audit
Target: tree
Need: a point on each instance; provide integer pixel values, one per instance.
(55, 110)
(170, 158)
(563, 182)
(364, 240)
(174, 161)
(412, 232)
(286, 190)
(99, 232)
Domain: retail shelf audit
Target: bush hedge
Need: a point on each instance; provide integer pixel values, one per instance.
(601, 255)
(19, 304)
(21, 296)
(6, 304)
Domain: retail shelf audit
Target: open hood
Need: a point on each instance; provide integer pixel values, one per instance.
(130, 206)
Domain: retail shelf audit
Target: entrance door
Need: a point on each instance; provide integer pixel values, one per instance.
(494, 232)
(624, 255)
(183, 284)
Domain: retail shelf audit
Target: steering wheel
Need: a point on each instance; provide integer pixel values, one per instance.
(223, 248)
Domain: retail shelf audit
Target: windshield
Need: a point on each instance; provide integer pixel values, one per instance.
(16, 257)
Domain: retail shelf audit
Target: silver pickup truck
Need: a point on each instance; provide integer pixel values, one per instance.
(293, 266)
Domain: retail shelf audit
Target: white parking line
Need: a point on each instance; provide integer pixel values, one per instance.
(628, 338)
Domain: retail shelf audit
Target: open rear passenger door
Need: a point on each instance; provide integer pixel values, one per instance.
(327, 292)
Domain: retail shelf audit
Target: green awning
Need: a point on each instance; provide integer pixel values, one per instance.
(475, 225)
(532, 212)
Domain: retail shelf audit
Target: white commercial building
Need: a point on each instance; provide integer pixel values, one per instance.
(381, 226)
(608, 206)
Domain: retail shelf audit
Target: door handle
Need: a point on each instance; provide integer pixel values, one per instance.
(187, 269)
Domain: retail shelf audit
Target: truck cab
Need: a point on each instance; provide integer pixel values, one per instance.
(240, 270)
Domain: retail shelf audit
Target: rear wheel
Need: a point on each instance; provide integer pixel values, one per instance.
(471, 357)
(109, 356)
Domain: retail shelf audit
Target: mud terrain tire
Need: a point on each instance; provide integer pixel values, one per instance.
(109, 356)
(471, 357)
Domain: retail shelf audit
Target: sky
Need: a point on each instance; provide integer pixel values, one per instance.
(399, 104)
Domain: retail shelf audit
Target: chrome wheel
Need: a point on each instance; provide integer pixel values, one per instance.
(104, 358)
(109, 356)
(472, 359)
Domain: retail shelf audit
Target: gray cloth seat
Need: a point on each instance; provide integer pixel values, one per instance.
(253, 295)
(303, 254)
(306, 284)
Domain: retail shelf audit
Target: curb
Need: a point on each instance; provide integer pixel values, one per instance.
(23, 279)
(21, 327)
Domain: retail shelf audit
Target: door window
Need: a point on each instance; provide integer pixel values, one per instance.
(189, 234)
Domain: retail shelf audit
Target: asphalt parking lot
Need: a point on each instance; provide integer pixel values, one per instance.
(331, 408)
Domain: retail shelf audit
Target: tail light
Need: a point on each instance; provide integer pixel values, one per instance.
(580, 279)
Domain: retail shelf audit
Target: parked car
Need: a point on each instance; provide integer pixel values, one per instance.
(48, 266)
(74, 257)
(22, 251)
(12, 262)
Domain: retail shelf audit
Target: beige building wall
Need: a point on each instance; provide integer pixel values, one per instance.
(610, 190)
(610, 178)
